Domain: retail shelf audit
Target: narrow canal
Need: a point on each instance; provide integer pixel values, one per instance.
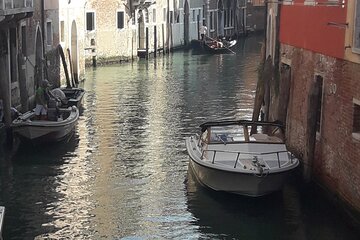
(124, 174)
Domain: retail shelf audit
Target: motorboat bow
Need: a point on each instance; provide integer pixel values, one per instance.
(2, 216)
(242, 157)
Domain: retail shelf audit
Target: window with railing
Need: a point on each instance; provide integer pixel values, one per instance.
(12, 4)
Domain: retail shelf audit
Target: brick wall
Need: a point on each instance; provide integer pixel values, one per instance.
(337, 155)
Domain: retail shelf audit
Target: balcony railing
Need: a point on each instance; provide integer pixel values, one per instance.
(13, 5)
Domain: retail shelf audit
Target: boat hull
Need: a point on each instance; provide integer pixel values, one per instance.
(238, 183)
(40, 134)
(39, 131)
(2, 216)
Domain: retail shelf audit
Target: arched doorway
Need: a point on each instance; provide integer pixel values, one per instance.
(74, 52)
(220, 28)
(38, 71)
(141, 29)
(186, 22)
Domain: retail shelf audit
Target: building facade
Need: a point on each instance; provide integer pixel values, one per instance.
(317, 91)
(13, 52)
(72, 38)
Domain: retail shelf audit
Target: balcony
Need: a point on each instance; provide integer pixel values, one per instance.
(14, 7)
(140, 4)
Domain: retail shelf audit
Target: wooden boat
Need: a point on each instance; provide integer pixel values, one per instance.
(2, 216)
(74, 96)
(46, 131)
(226, 157)
(212, 46)
(219, 47)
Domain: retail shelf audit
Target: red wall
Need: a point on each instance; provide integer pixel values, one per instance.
(307, 27)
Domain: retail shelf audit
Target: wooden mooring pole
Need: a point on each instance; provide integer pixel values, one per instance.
(155, 41)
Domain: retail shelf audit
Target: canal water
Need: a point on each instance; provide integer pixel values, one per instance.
(124, 173)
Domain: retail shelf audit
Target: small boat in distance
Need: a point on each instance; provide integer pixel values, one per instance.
(213, 46)
(2, 216)
(227, 157)
(46, 131)
(219, 46)
(73, 95)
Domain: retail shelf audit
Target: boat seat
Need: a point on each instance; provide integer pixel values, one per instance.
(261, 137)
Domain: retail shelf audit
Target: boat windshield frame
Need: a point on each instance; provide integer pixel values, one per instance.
(248, 132)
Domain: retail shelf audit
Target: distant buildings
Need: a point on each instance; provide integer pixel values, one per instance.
(315, 49)
(94, 32)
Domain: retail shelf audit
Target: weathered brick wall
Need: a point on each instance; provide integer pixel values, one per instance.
(336, 164)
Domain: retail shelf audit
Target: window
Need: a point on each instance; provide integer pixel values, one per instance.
(90, 21)
(356, 119)
(289, 2)
(225, 18)
(178, 17)
(120, 20)
(171, 17)
(49, 39)
(164, 15)
(356, 40)
(154, 15)
(62, 31)
(203, 11)
(319, 83)
(193, 15)
(146, 15)
(23, 40)
(211, 20)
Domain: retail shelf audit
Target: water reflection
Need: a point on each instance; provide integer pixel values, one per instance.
(123, 174)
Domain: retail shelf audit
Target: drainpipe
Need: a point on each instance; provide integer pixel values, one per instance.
(43, 36)
(207, 16)
(168, 26)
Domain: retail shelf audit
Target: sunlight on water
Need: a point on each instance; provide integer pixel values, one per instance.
(124, 174)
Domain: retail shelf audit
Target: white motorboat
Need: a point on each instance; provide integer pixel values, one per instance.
(2, 216)
(45, 131)
(227, 157)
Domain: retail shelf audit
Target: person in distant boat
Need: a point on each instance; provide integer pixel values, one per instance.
(203, 31)
(220, 44)
(41, 100)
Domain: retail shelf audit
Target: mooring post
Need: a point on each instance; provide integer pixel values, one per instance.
(155, 41)
(147, 43)
(163, 38)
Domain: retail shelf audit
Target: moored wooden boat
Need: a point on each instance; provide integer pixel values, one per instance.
(225, 157)
(46, 131)
(74, 96)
